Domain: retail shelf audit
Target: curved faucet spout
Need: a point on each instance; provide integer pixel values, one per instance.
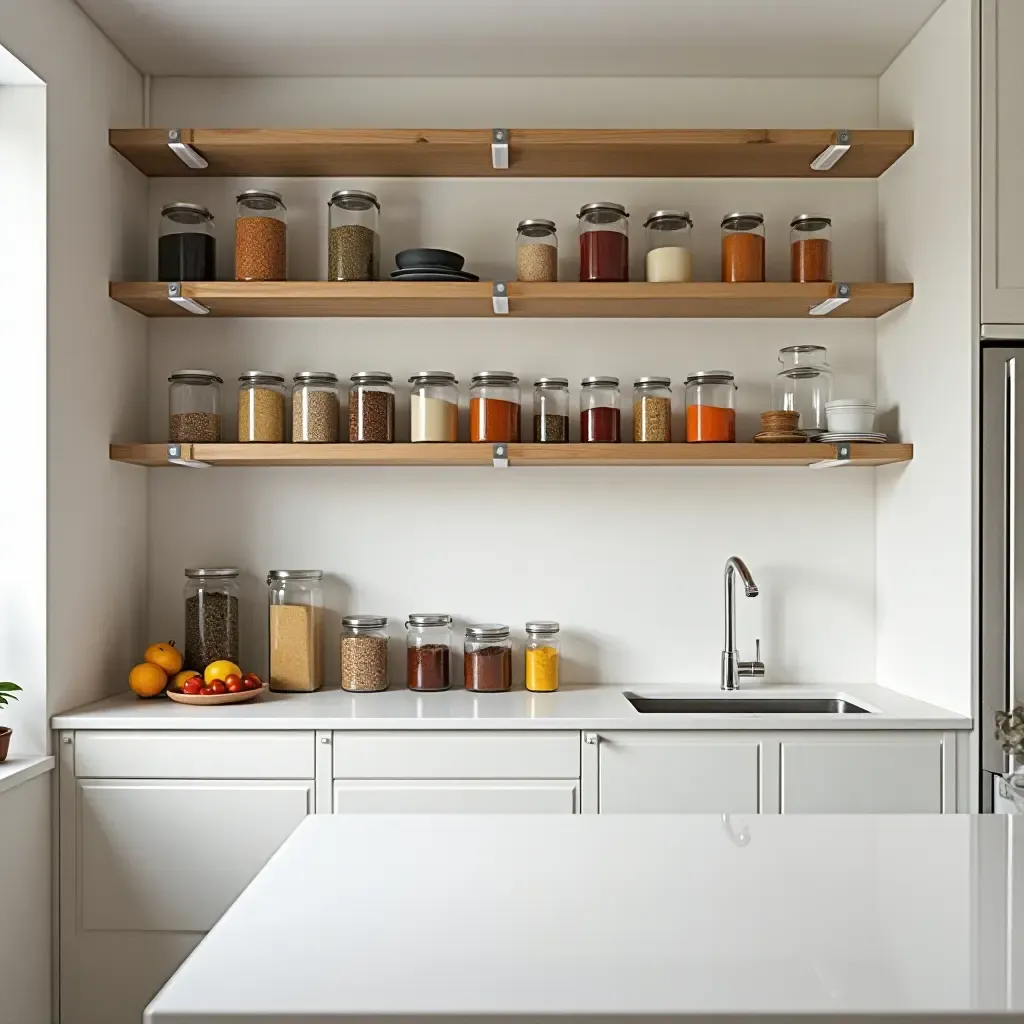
(732, 668)
(737, 563)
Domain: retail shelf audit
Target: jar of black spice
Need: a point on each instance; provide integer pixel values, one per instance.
(371, 407)
(487, 661)
(429, 651)
(211, 617)
(551, 410)
(186, 249)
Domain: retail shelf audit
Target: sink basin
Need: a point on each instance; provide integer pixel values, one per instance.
(744, 705)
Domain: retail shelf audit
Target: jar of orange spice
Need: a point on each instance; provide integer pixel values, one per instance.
(711, 406)
(743, 247)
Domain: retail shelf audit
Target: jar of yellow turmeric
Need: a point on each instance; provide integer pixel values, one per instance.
(542, 656)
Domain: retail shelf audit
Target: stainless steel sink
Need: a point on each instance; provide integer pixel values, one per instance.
(744, 705)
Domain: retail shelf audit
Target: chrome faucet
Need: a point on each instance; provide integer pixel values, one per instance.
(733, 670)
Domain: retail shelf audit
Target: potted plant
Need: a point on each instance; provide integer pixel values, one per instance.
(1010, 733)
(7, 691)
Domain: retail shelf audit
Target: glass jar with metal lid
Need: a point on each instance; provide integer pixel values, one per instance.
(542, 655)
(711, 406)
(316, 407)
(810, 248)
(487, 658)
(353, 236)
(371, 407)
(652, 409)
(551, 410)
(193, 399)
(600, 409)
(428, 645)
(433, 406)
(211, 617)
(296, 629)
(186, 249)
(604, 242)
(669, 250)
(536, 251)
(261, 407)
(494, 406)
(743, 247)
(364, 653)
(804, 385)
(261, 236)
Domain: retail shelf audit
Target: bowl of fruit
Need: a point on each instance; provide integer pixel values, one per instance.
(223, 682)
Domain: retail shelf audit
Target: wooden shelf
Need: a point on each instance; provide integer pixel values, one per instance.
(544, 153)
(713, 299)
(742, 454)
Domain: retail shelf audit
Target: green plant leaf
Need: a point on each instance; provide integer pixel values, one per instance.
(10, 688)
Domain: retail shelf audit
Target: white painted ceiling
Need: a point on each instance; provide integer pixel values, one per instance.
(511, 37)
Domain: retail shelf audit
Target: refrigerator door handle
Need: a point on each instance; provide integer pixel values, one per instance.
(1014, 568)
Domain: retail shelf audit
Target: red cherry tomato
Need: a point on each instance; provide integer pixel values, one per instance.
(228, 680)
(218, 686)
(205, 691)
(237, 687)
(251, 683)
(192, 685)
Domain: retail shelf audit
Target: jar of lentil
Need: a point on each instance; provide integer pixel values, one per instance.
(669, 251)
(487, 659)
(433, 406)
(353, 239)
(371, 407)
(186, 249)
(604, 242)
(261, 236)
(711, 406)
(428, 651)
(810, 248)
(211, 617)
(542, 656)
(296, 629)
(652, 409)
(536, 251)
(364, 653)
(743, 247)
(551, 410)
(600, 409)
(193, 399)
(316, 407)
(261, 407)
(494, 406)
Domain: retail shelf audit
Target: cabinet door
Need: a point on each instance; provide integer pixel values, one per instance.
(455, 796)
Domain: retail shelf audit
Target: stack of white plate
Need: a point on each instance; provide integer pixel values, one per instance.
(851, 419)
(835, 437)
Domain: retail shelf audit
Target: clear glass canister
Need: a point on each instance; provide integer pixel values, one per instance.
(551, 410)
(364, 653)
(211, 617)
(353, 236)
(604, 242)
(600, 409)
(711, 406)
(296, 629)
(261, 236)
(669, 250)
(193, 399)
(494, 406)
(487, 658)
(543, 653)
(810, 248)
(433, 406)
(804, 385)
(371, 407)
(316, 407)
(652, 409)
(428, 647)
(186, 249)
(261, 407)
(536, 251)
(743, 247)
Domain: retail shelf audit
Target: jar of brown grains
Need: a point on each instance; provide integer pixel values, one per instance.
(193, 399)
(371, 407)
(536, 251)
(428, 651)
(353, 241)
(316, 407)
(261, 407)
(487, 660)
(295, 629)
(364, 653)
(652, 409)
(261, 236)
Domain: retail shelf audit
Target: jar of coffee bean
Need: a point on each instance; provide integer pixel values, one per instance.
(371, 407)
(316, 407)
(193, 399)
(211, 617)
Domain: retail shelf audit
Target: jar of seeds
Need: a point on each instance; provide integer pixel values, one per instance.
(316, 407)
(261, 407)
(536, 251)
(211, 617)
(261, 236)
(371, 407)
(652, 409)
(551, 410)
(353, 239)
(193, 399)
(364, 653)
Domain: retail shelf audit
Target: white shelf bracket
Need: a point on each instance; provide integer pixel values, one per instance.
(840, 298)
(190, 157)
(832, 154)
(174, 294)
(499, 149)
(175, 458)
(499, 456)
(499, 298)
(844, 456)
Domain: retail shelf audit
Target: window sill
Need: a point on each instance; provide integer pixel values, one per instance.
(16, 770)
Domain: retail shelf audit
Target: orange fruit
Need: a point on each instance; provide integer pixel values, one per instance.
(179, 680)
(167, 656)
(147, 679)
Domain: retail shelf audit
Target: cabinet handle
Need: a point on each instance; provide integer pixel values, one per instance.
(67, 739)
(325, 739)
(590, 737)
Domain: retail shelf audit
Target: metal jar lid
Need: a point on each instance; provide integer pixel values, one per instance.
(743, 221)
(599, 382)
(495, 377)
(364, 621)
(196, 377)
(602, 213)
(353, 199)
(315, 377)
(810, 222)
(550, 383)
(662, 218)
(186, 213)
(487, 631)
(203, 574)
(652, 382)
(261, 377)
(437, 377)
(371, 377)
(711, 377)
(294, 574)
(429, 619)
(544, 626)
(536, 228)
(260, 198)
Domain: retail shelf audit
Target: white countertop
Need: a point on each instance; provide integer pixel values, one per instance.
(575, 707)
(16, 770)
(358, 917)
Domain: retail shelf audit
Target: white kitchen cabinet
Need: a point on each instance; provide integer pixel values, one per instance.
(456, 796)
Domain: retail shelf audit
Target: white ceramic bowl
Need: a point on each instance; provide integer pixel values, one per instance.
(850, 416)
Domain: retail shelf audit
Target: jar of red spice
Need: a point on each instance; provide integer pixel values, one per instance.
(810, 248)
(494, 406)
(487, 659)
(600, 409)
(428, 651)
(711, 406)
(743, 247)
(604, 242)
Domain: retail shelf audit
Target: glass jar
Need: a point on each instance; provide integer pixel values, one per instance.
(652, 409)
(543, 653)
(604, 242)
(371, 407)
(711, 406)
(434, 406)
(428, 651)
(211, 617)
(261, 236)
(487, 658)
(316, 407)
(669, 250)
(364, 653)
(551, 410)
(261, 407)
(536, 251)
(193, 399)
(494, 406)
(186, 249)
(600, 409)
(743, 247)
(804, 385)
(353, 236)
(296, 629)
(810, 248)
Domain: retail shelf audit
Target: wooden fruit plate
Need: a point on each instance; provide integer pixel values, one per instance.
(216, 698)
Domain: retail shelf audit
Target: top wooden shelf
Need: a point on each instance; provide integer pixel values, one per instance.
(538, 153)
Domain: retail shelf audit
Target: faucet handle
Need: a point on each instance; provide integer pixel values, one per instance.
(757, 649)
(752, 669)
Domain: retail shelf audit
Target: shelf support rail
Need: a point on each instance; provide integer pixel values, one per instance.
(833, 153)
(174, 294)
(844, 457)
(840, 296)
(190, 157)
(181, 455)
(499, 298)
(499, 149)
(499, 456)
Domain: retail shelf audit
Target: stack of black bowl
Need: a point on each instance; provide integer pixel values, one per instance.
(430, 265)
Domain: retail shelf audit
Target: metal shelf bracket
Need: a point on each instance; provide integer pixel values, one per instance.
(499, 149)
(184, 152)
(840, 297)
(174, 294)
(499, 456)
(832, 154)
(844, 457)
(499, 298)
(177, 455)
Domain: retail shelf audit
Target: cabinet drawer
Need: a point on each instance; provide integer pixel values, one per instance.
(456, 796)
(194, 755)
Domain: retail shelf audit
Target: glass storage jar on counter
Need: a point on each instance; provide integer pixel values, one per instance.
(551, 410)
(810, 248)
(364, 653)
(604, 242)
(261, 407)
(371, 407)
(211, 617)
(316, 407)
(669, 252)
(743, 247)
(296, 629)
(261, 236)
(494, 406)
(434, 406)
(428, 651)
(353, 238)
(600, 412)
(193, 399)
(536, 251)
(186, 249)
(487, 659)
(543, 653)
(652, 409)
(711, 406)
(804, 385)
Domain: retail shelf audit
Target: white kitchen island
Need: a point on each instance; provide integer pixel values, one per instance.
(532, 917)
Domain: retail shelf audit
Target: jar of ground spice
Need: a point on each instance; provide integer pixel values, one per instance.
(604, 242)
(186, 248)
(364, 653)
(494, 406)
(296, 629)
(433, 406)
(711, 406)
(600, 409)
(810, 248)
(536, 251)
(542, 655)
(261, 407)
(487, 658)
(193, 399)
(353, 239)
(211, 617)
(261, 236)
(668, 246)
(371, 407)
(316, 407)
(652, 409)
(551, 410)
(743, 247)
(429, 651)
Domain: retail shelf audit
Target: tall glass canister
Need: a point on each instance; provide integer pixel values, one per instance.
(428, 655)
(211, 617)
(316, 407)
(353, 237)
(296, 630)
(186, 248)
(261, 236)
(804, 385)
(551, 410)
(604, 242)
(542, 656)
(371, 407)
(433, 406)
(652, 409)
(261, 407)
(600, 409)
(536, 251)
(743, 247)
(810, 248)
